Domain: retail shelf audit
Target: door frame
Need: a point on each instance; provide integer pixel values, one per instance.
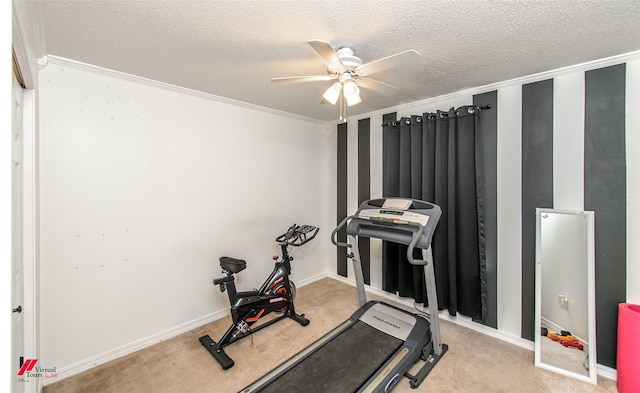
(25, 236)
(29, 49)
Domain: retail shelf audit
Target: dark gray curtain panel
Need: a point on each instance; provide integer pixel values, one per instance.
(437, 157)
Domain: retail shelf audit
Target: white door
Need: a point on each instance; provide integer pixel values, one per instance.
(17, 293)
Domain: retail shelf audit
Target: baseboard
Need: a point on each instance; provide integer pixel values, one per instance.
(84, 365)
(607, 372)
(307, 281)
(603, 371)
(554, 327)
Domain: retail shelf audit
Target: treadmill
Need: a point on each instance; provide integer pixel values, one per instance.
(373, 349)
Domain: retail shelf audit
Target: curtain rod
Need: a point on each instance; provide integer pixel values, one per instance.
(442, 114)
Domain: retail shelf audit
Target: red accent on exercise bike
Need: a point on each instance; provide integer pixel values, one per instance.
(258, 315)
(276, 283)
(265, 299)
(282, 291)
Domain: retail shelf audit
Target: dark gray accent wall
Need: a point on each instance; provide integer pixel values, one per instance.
(341, 211)
(386, 120)
(364, 189)
(489, 127)
(605, 193)
(537, 184)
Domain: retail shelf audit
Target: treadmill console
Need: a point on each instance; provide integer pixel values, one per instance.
(396, 215)
(396, 220)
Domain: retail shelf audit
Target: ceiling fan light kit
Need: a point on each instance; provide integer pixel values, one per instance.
(350, 89)
(353, 100)
(332, 93)
(350, 73)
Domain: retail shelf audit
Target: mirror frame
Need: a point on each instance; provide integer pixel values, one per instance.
(589, 222)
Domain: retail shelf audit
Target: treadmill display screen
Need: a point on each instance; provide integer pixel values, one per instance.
(392, 212)
(398, 216)
(396, 220)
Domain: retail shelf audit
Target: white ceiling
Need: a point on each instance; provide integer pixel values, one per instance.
(233, 48)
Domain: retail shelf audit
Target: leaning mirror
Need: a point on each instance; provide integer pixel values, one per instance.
(565, 293)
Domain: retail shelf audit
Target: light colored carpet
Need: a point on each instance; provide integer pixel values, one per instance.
(474, 362)
(569, 358)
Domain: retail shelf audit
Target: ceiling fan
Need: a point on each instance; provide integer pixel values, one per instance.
(350, 74)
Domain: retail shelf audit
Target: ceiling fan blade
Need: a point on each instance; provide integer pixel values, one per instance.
(377, 86)
(309, 78)
(385, 63)
(328, 55)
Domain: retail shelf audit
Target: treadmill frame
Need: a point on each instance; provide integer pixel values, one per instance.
(366, 227)
(398, 364)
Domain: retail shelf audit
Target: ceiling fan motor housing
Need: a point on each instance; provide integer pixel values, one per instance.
(348, 57)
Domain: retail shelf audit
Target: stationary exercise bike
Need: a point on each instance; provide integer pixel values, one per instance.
(275, 295)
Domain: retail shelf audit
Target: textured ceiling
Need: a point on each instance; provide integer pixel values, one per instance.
(233, 48)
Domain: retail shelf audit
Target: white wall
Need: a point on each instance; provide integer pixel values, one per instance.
(568, 170)
(143, 187)
(509, 191)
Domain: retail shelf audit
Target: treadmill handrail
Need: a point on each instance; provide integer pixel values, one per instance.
(414, 238)
(335, 232)
(376, 219)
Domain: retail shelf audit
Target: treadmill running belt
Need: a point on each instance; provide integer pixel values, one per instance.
(342, 365)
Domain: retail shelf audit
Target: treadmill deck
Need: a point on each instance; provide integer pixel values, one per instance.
(342, 365)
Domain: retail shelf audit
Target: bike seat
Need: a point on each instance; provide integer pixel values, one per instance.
(232, 265)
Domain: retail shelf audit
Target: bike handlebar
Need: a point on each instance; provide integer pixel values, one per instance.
(297, 235)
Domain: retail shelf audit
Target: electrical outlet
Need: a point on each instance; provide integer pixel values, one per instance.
(563, 301)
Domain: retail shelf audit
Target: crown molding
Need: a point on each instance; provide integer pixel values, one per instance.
(464, 94)
(61, 61)
(28, 40)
